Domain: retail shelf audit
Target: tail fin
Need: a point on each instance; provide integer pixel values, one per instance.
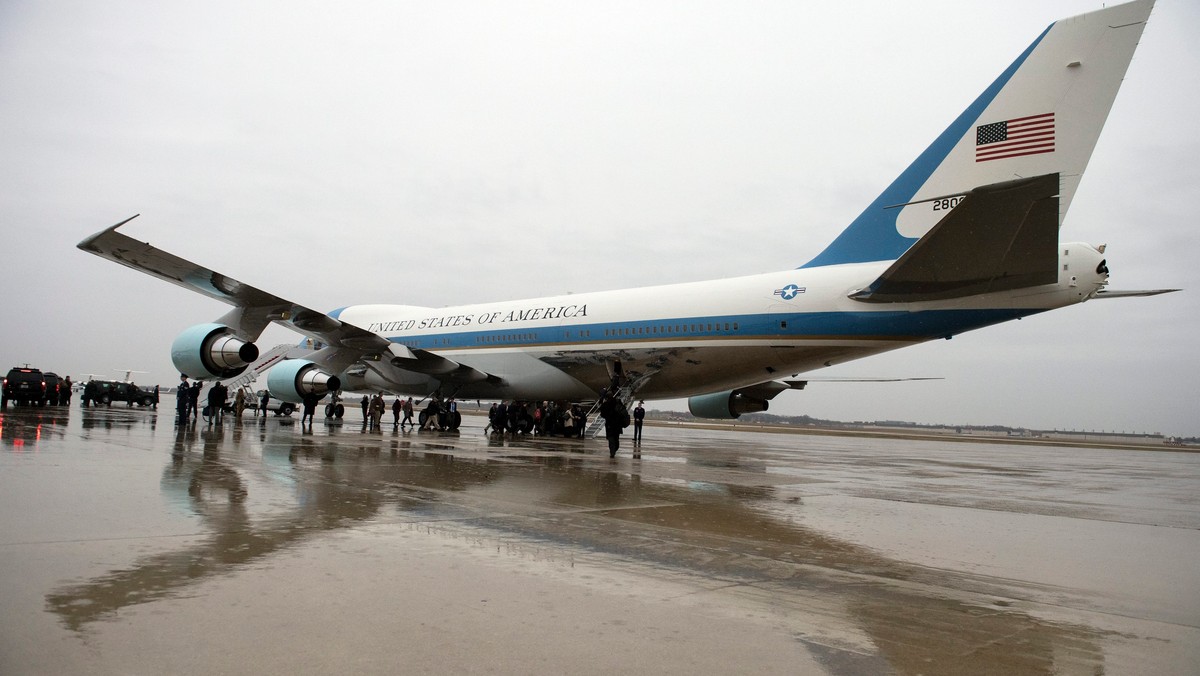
(1041, 116)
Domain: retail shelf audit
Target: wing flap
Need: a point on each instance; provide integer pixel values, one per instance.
(433, 364)
(999, 237)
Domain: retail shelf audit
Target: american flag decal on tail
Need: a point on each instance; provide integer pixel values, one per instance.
(1021, 136)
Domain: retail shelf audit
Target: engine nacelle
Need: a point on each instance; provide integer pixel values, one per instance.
(294, 378)
(727, 404)
(211, 351)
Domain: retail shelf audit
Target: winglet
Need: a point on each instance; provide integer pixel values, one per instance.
(88, 243)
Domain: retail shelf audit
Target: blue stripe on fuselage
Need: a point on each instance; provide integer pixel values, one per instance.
(904, 326)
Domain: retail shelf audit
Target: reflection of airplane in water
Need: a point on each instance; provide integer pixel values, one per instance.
(965, 237)
(559, 503)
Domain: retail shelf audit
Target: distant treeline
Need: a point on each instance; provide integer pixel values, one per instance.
(809, 421)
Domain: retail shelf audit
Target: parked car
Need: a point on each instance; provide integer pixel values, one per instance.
(24, 385)
(276, 406)
(53, 384)
(105, 392)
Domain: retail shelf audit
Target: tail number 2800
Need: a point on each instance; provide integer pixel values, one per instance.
(946, 203)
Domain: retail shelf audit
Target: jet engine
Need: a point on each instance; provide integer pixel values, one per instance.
(211, 351)
(727, 404)
(292, 379)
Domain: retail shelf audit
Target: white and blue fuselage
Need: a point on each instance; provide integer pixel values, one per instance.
(698, 337)
(965, 237)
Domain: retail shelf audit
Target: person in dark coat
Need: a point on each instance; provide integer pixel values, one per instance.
(408, 413)
(310, 407)
(183, 397)
(491, 419)
(432, 409)
(639, 414)
(194, 400)
(501, 423)
(610, 410)
(216, 402)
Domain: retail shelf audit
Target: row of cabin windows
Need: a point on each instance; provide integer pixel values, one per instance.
(514, 337)
(608, 333)
(506, 338)
(673, 328)
(418, 344)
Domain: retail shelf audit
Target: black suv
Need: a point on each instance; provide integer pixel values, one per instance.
(24, 386)
(54, 386)
(97, 392)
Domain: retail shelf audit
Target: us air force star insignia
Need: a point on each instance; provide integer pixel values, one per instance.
(789, 292)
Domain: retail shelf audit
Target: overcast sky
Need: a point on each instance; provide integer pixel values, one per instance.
(446, 153)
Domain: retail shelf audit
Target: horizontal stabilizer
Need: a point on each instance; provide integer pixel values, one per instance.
(1132, 293)
(999, 237)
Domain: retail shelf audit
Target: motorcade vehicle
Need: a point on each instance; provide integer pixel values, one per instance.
(105, 392)
(53, 385)
(24, 386)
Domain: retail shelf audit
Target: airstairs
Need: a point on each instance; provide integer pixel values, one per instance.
(265, 361)
(624, 393)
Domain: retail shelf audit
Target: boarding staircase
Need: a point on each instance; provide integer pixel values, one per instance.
(265, 361)
(625, 393)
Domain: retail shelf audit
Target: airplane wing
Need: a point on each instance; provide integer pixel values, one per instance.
(998, 237)
(254, 309)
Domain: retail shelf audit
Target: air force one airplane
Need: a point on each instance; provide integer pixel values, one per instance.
(965, 237)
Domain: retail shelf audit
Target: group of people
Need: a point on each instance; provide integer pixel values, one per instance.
(548, 418)
(373, 408)
(440, 415)
(187, 398)
(187, 401)
(569, 420)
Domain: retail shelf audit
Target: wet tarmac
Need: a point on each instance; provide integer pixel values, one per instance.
(129, 545)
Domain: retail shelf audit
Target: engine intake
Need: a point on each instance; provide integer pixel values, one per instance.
(295, 378)
(212, 351)
(725, 405)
